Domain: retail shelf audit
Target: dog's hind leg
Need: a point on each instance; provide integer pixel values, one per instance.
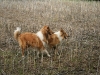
(23, 47)
(21, 44)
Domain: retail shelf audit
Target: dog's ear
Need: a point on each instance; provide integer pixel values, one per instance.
(49, 30)
(48, 27)
(45, 27)
(61, 30)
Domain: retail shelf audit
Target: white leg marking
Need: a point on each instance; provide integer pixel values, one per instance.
(41, 56)
(37, 54)
(47, 53)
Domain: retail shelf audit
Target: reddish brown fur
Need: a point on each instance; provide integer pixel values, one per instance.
(53, 40)
(28, 39)
(46, 33)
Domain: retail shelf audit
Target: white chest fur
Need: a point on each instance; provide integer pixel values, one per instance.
(58, 35)
(40, 35)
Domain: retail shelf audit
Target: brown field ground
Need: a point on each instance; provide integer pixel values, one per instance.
(79, 54)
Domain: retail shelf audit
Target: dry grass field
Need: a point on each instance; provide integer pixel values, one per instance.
(79, 53)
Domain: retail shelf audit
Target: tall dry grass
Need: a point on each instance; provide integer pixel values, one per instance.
(79, 54)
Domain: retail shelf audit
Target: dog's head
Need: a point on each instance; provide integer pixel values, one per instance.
(46, 32)
(46, 29)
(63, 33)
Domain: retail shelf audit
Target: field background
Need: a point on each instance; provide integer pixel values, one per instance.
(79, 54)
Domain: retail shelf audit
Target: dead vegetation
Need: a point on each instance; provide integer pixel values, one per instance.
(79, 54)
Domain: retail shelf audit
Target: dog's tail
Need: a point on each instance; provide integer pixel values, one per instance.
(17, 33)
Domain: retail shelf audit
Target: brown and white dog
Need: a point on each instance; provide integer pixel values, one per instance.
(56, 38)
(35, 40)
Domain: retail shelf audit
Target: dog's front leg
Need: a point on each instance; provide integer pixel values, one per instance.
(41, 56)
(56, 50)
(47, 53)
(38, 54)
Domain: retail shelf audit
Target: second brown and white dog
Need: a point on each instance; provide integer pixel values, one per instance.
(35, 40)
(56, 38)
